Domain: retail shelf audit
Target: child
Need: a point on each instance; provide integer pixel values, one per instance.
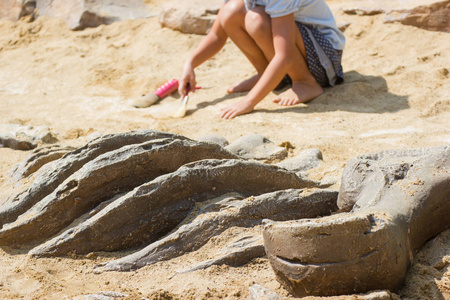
(295, 37)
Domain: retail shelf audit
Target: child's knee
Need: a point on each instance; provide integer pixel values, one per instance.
(233, 12)
(257, 21)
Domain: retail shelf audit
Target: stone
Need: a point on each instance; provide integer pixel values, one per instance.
(220, 140)
(189, 16)
(306, 160)
(80, 14)
(398, 199)
(20, 137)
(258, 292)
(13, 10)
(102, 296)
(434, 16)
(425, 14)
(257, 147)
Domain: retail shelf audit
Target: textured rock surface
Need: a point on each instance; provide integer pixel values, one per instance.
(189, 16)
(280, 205)
(106, 176)
(434, 16)
(258, 292)
(215, 139)
(426, 14)
(401, 199)
(306, 160)
(37, 159)
(21, 137)
(257, 147)
(153, 209)
(48, 180)
(80, 14)
(13, 10)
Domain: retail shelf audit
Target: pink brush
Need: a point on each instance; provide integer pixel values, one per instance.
(161, 92)
(167, 88)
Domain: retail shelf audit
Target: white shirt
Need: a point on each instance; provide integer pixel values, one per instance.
(315, 13)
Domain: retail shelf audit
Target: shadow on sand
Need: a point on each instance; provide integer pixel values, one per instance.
(359, 93)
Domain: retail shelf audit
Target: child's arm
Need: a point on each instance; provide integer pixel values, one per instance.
(208, 47)
(283, 34)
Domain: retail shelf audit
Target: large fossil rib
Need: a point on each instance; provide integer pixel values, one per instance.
(47, 181)
(107, 175)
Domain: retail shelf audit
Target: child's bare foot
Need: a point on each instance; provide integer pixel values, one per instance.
(236, 109)
(299, 93)
(244, 86)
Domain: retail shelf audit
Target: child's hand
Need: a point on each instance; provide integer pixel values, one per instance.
(187, 77)
(236, 109)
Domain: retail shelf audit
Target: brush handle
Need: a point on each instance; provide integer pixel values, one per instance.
(167, 88)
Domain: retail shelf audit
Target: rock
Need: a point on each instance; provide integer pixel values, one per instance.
(258, 292)
(220, 140)
(257, 147)
(189, 16)
(13, 10)
(400, 199)
(306, 160)
(434, 16)
(426, 14)
(80, 14)
(19, 137)
(102, 296)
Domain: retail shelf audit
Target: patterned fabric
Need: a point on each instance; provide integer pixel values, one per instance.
(324, 62)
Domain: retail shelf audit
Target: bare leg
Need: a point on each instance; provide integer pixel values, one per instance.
(304, 86)
(232, 17)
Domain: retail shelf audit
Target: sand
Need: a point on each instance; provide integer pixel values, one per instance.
(81, 84)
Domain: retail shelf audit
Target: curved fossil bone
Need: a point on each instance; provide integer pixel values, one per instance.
(107, 175)
(47, 181)
(279, 205)
(153, 209)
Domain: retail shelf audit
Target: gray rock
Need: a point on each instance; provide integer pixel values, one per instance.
(189, 16)
(426, 14)
(257, 147)
(80, 14)
(258, 292)
(13, 10)
(19, 137)
(102, 296)
(306, 160)
(433, 16)
(400, 199)
(220, 140)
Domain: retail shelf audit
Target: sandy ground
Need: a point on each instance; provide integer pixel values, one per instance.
(396, 95)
